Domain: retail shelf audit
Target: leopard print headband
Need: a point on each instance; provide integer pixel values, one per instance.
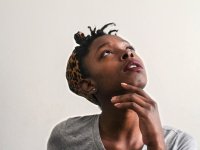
(74, 78)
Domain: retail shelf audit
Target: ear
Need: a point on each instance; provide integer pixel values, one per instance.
(88, 86)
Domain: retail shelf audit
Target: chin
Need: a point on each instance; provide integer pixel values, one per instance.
(139, 83)
(142, 86)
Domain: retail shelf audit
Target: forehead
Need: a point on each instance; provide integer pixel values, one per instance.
(106, 39)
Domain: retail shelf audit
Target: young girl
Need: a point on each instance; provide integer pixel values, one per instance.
(106, 70)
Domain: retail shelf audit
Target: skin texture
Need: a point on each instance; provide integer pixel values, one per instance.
(129, 117)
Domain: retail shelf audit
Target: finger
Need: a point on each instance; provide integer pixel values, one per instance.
(131, 105)
(129, 98)
(135, 89)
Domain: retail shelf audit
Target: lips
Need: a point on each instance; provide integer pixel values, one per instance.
(133, 65)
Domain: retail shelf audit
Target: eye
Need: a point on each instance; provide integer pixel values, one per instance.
(106, 53)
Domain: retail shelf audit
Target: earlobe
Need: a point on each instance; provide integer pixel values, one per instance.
(87, 86)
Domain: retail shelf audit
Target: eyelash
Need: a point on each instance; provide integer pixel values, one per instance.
(109, 51)
(130, 47)
(104, 52)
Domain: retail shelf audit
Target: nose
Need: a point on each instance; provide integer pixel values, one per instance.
(126, 55)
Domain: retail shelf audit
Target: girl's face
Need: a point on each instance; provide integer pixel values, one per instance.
(111, 61)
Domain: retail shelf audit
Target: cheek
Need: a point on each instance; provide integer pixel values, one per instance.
(106, 69)
(105, 74)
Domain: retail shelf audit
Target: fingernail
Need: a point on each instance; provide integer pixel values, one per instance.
(113, 98)
(117, 104)
(123, 84)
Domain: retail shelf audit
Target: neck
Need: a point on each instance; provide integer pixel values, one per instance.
(118, 123)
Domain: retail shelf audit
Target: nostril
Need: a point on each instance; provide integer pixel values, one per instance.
(125, 56)
(132, 55)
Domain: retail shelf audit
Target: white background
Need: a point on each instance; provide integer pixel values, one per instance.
(36, 38)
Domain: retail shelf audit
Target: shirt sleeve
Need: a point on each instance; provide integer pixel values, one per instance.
(56, 140)
(186, 142)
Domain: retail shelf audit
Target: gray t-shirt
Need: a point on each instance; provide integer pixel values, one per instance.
(82, 133)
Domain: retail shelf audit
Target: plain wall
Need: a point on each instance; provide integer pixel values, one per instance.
(36, 38)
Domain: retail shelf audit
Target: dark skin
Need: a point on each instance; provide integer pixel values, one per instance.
(129, 117)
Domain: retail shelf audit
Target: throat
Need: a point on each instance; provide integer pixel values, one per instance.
(120, 129)
(119, 120)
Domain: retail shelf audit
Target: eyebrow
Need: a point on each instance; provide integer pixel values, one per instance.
(107, 43)
(102, 45)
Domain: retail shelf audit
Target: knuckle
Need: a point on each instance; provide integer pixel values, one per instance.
(148, 107)
(147, 114)
(153, 103)
(151, 107)
(132, 96)
(133, 105)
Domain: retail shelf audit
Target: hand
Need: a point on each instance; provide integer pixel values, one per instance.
(147, 111)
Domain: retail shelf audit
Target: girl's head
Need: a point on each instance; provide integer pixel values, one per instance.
(100, 63)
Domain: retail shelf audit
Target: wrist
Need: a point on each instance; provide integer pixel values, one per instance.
(157, 145)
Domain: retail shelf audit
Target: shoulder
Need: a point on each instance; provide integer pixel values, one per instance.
(177, 139)
(71, 129)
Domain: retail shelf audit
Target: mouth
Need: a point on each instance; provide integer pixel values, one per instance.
(133, 65)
